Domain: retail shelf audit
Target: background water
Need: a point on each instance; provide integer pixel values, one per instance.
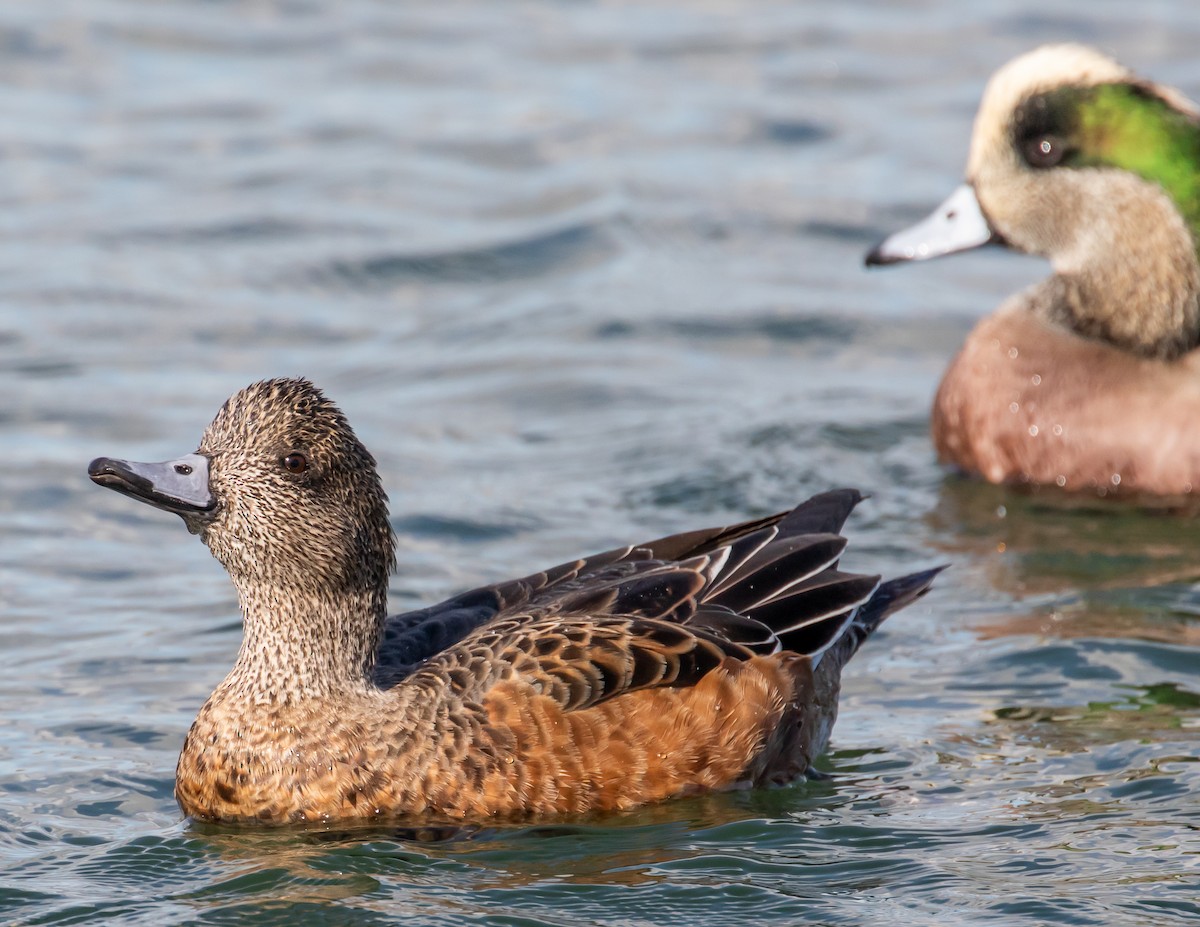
(579, 273)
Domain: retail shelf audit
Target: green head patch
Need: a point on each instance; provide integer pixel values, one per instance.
(1124, 126)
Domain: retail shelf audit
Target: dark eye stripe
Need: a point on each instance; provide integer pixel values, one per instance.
(1045, 127)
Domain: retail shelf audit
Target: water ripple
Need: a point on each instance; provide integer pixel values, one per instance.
(570, 248)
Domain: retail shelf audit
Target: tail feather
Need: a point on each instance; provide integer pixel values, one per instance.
(890, 597)
(893, 595)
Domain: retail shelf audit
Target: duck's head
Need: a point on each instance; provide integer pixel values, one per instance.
(1076, 159)
(280, 489)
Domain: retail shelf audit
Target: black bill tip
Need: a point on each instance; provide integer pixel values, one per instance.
(179, 486)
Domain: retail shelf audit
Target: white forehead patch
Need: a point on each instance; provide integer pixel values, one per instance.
(1038, 71)
(1047, 67)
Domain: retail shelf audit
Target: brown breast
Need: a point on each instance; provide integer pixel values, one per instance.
(1025, 401)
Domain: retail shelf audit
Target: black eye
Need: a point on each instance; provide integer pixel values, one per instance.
(183, 469)
(1043, 151)
(295, 462)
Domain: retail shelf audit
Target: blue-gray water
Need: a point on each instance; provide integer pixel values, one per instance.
(580, 274)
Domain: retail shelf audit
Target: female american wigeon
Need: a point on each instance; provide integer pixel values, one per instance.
(1089, 380)
(702, 661)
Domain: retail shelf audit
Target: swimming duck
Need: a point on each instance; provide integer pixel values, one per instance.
(1089, 380)
(697, 662)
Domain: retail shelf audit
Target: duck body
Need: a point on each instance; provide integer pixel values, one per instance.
(697, 662)
(428, 750)
(1089, 380)
(1026, 401)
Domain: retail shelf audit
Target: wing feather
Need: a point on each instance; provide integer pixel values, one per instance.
(663, 613)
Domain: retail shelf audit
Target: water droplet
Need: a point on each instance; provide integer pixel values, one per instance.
(1116, 479)
(1033, 431)
(1013, 352)
(1056, 430)
(1036, 379)
(1001, 511)
(1060, 480)
(1014, 407)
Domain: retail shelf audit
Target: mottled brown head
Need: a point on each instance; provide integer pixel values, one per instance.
(298, 498)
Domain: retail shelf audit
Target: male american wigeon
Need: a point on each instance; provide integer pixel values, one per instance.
(1089, 380)
(697, 662)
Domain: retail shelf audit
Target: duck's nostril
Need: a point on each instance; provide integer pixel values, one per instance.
(183, 469)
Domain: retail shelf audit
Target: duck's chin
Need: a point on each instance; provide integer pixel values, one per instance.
(196, 525)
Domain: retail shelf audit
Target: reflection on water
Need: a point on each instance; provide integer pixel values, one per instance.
(1081, 567)
(579, 274)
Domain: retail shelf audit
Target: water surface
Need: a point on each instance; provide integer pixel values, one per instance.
(579, 274)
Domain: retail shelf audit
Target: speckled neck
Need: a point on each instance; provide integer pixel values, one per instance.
(1135, 249)
(1134, 281)
(305, 644)
(1122, 253)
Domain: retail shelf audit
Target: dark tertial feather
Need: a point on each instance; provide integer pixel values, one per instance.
(721, 622)
(778, 566)
(826, 595)
(824, 513)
